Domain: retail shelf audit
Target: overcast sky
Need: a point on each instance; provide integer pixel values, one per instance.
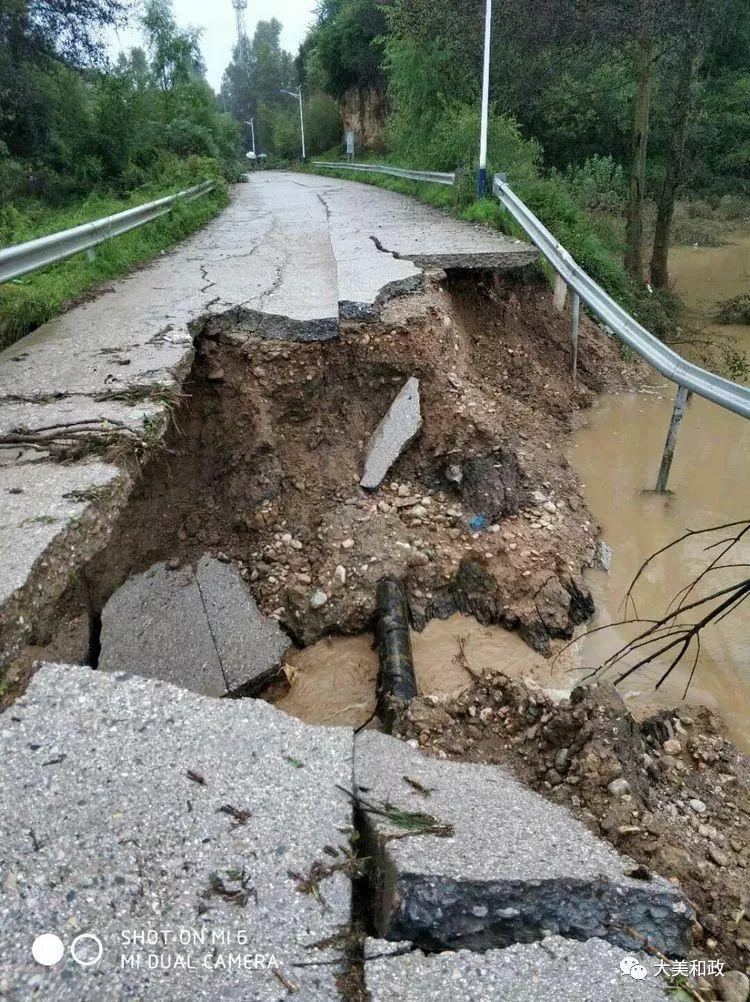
(216, 18)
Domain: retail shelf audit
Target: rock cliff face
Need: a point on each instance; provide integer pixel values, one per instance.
(363, 113)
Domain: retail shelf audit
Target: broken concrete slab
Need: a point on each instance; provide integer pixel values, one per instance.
(200, 629)
(384, 241)
(131, 808)
(250, 646)
(40, 505)
(135, 338)
(156, 625)
(393, 435)
(552, 970)
(78, 419)
(281, 262)
(503, 865)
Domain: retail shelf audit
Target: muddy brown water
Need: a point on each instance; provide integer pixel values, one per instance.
(705, 276)
(617, 456)
(333, 681)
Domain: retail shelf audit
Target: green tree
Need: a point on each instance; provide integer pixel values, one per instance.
(70, 123)
(175, 53)
(253, 80)
(345, 44)
(39, 41)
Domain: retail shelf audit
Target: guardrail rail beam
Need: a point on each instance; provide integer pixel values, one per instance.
(433, 176)
(32, 255)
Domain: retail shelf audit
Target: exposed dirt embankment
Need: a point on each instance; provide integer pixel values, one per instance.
(482, 514)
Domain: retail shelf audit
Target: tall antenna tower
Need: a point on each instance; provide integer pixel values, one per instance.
(240, 6)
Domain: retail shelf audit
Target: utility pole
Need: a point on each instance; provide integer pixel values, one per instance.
(251, 123)
(298, 94)
(482, 176)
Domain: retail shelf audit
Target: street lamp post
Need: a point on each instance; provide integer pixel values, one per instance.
(298, 94)
(251, 123)
(482, 176)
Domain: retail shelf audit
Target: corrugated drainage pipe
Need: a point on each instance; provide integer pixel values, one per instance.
(396, 681)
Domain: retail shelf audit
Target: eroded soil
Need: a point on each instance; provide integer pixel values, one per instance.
(482, 515)
(265, 451)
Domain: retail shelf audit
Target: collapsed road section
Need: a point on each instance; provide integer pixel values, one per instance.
(217, 461)
(210, 847)
(96, 388)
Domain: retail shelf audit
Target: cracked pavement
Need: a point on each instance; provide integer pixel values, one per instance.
(290, 257)
(133, 831)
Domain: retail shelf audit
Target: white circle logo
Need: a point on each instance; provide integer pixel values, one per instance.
(47, 949)
(633, 967)
(86, 949)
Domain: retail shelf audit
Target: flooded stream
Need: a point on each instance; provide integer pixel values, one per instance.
(617, 456)
(705, 276)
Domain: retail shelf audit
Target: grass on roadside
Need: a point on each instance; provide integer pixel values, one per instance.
(33, 299)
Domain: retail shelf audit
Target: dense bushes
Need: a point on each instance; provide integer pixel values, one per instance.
(598, 184)
(67, 129)
(450, 141)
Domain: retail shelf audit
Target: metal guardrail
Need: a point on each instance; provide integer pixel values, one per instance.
(34, 254)
(721, 391)
(688, 377)
(434, 176)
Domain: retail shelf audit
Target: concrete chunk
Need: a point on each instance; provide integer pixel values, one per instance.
(515, 869)
(156, 625)
(198, 629)
(393, 435)
(553, 970)
(250, 646)
(113, 821)
(40, 504)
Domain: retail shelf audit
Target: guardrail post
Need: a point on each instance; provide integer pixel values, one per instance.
(575, 313)
(91, 254)
(561, 293)
(674, 425)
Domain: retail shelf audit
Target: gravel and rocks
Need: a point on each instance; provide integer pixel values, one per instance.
(581, 751)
